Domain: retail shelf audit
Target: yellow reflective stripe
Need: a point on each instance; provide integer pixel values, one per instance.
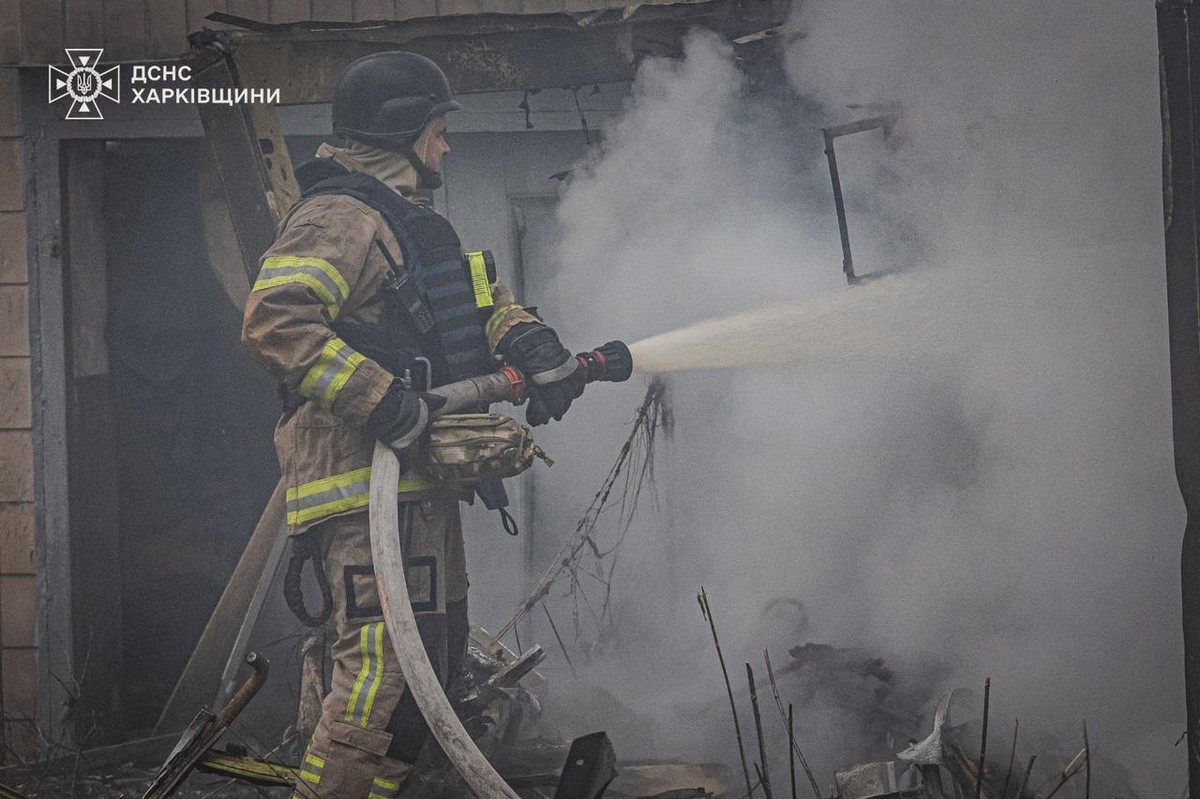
(331, 305)
(326, 483)
(284, 262)
(340, 493)
(312, 769)
(383, 789)
(374, 689)
(370, 674)
(497, 318)
(479, 280)
(325, 380)
(315, 273)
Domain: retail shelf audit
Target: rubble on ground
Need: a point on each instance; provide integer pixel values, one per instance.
(933, 750)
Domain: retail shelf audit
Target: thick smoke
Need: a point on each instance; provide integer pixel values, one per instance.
(1007, 511)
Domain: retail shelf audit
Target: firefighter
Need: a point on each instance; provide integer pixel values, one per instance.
(364, 301)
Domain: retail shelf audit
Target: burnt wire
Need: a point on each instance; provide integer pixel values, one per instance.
(581, 555)
(583, 123)
(641, 453)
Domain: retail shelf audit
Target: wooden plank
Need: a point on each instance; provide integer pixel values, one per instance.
(10, 101)
(492, 53)
(249, 176)
(14, 320)
(42, 32)
(16, 406)
(16, 466)
(197, 10)
(267, 133)
(409, 9)
(124, 29)
(12, 195)
(586, 5)
(166, 28)
(13, 258)
(92, 434)
(290, 10)
(16, 537)
(10, 32)
(372, 10)
(85, 26)
(540, 6)
(43, 192)
(333, 10)
(257, 10)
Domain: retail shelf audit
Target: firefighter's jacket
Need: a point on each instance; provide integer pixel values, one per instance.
(325, 266)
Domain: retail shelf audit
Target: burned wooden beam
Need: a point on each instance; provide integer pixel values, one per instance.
(486, 52)
(251, 157)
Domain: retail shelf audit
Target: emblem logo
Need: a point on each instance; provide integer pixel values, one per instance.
(85, 84)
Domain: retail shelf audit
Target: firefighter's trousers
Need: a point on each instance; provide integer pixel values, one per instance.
(371, 731)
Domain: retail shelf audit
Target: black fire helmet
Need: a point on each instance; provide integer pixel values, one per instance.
(386, 99)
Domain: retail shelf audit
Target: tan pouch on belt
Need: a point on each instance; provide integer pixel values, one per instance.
(469, 447)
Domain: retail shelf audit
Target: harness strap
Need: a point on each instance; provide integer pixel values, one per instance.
(306, 546)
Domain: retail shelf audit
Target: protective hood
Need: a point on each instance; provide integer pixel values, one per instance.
(392, 169)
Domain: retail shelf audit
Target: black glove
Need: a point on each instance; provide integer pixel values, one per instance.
(401, 420)
(555, 378)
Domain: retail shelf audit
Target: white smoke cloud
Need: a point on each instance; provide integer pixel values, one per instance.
(1009, 511)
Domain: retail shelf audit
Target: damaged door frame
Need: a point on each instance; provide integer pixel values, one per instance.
(44, 164)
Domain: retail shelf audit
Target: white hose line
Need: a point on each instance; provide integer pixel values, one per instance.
(426, 689)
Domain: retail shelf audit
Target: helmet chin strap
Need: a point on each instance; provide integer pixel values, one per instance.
(426, 177)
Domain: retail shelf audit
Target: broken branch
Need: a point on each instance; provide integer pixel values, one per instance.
(1028, 773)
(1012, 756)
(795, 747)
(1067, 773)
(987, 692)
(702, 598)
(765, 775)
(791, 751)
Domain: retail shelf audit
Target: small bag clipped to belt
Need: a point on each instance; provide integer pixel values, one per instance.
(466, 448)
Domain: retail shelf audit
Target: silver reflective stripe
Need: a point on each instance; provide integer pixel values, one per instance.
(557, 373)
(383, 789)
(326, 497)
(316, 273)
(362, 697)
(335, 366)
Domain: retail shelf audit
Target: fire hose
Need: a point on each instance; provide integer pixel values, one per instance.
(610, 363)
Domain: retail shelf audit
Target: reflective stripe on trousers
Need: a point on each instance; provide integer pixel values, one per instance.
(339, 493)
